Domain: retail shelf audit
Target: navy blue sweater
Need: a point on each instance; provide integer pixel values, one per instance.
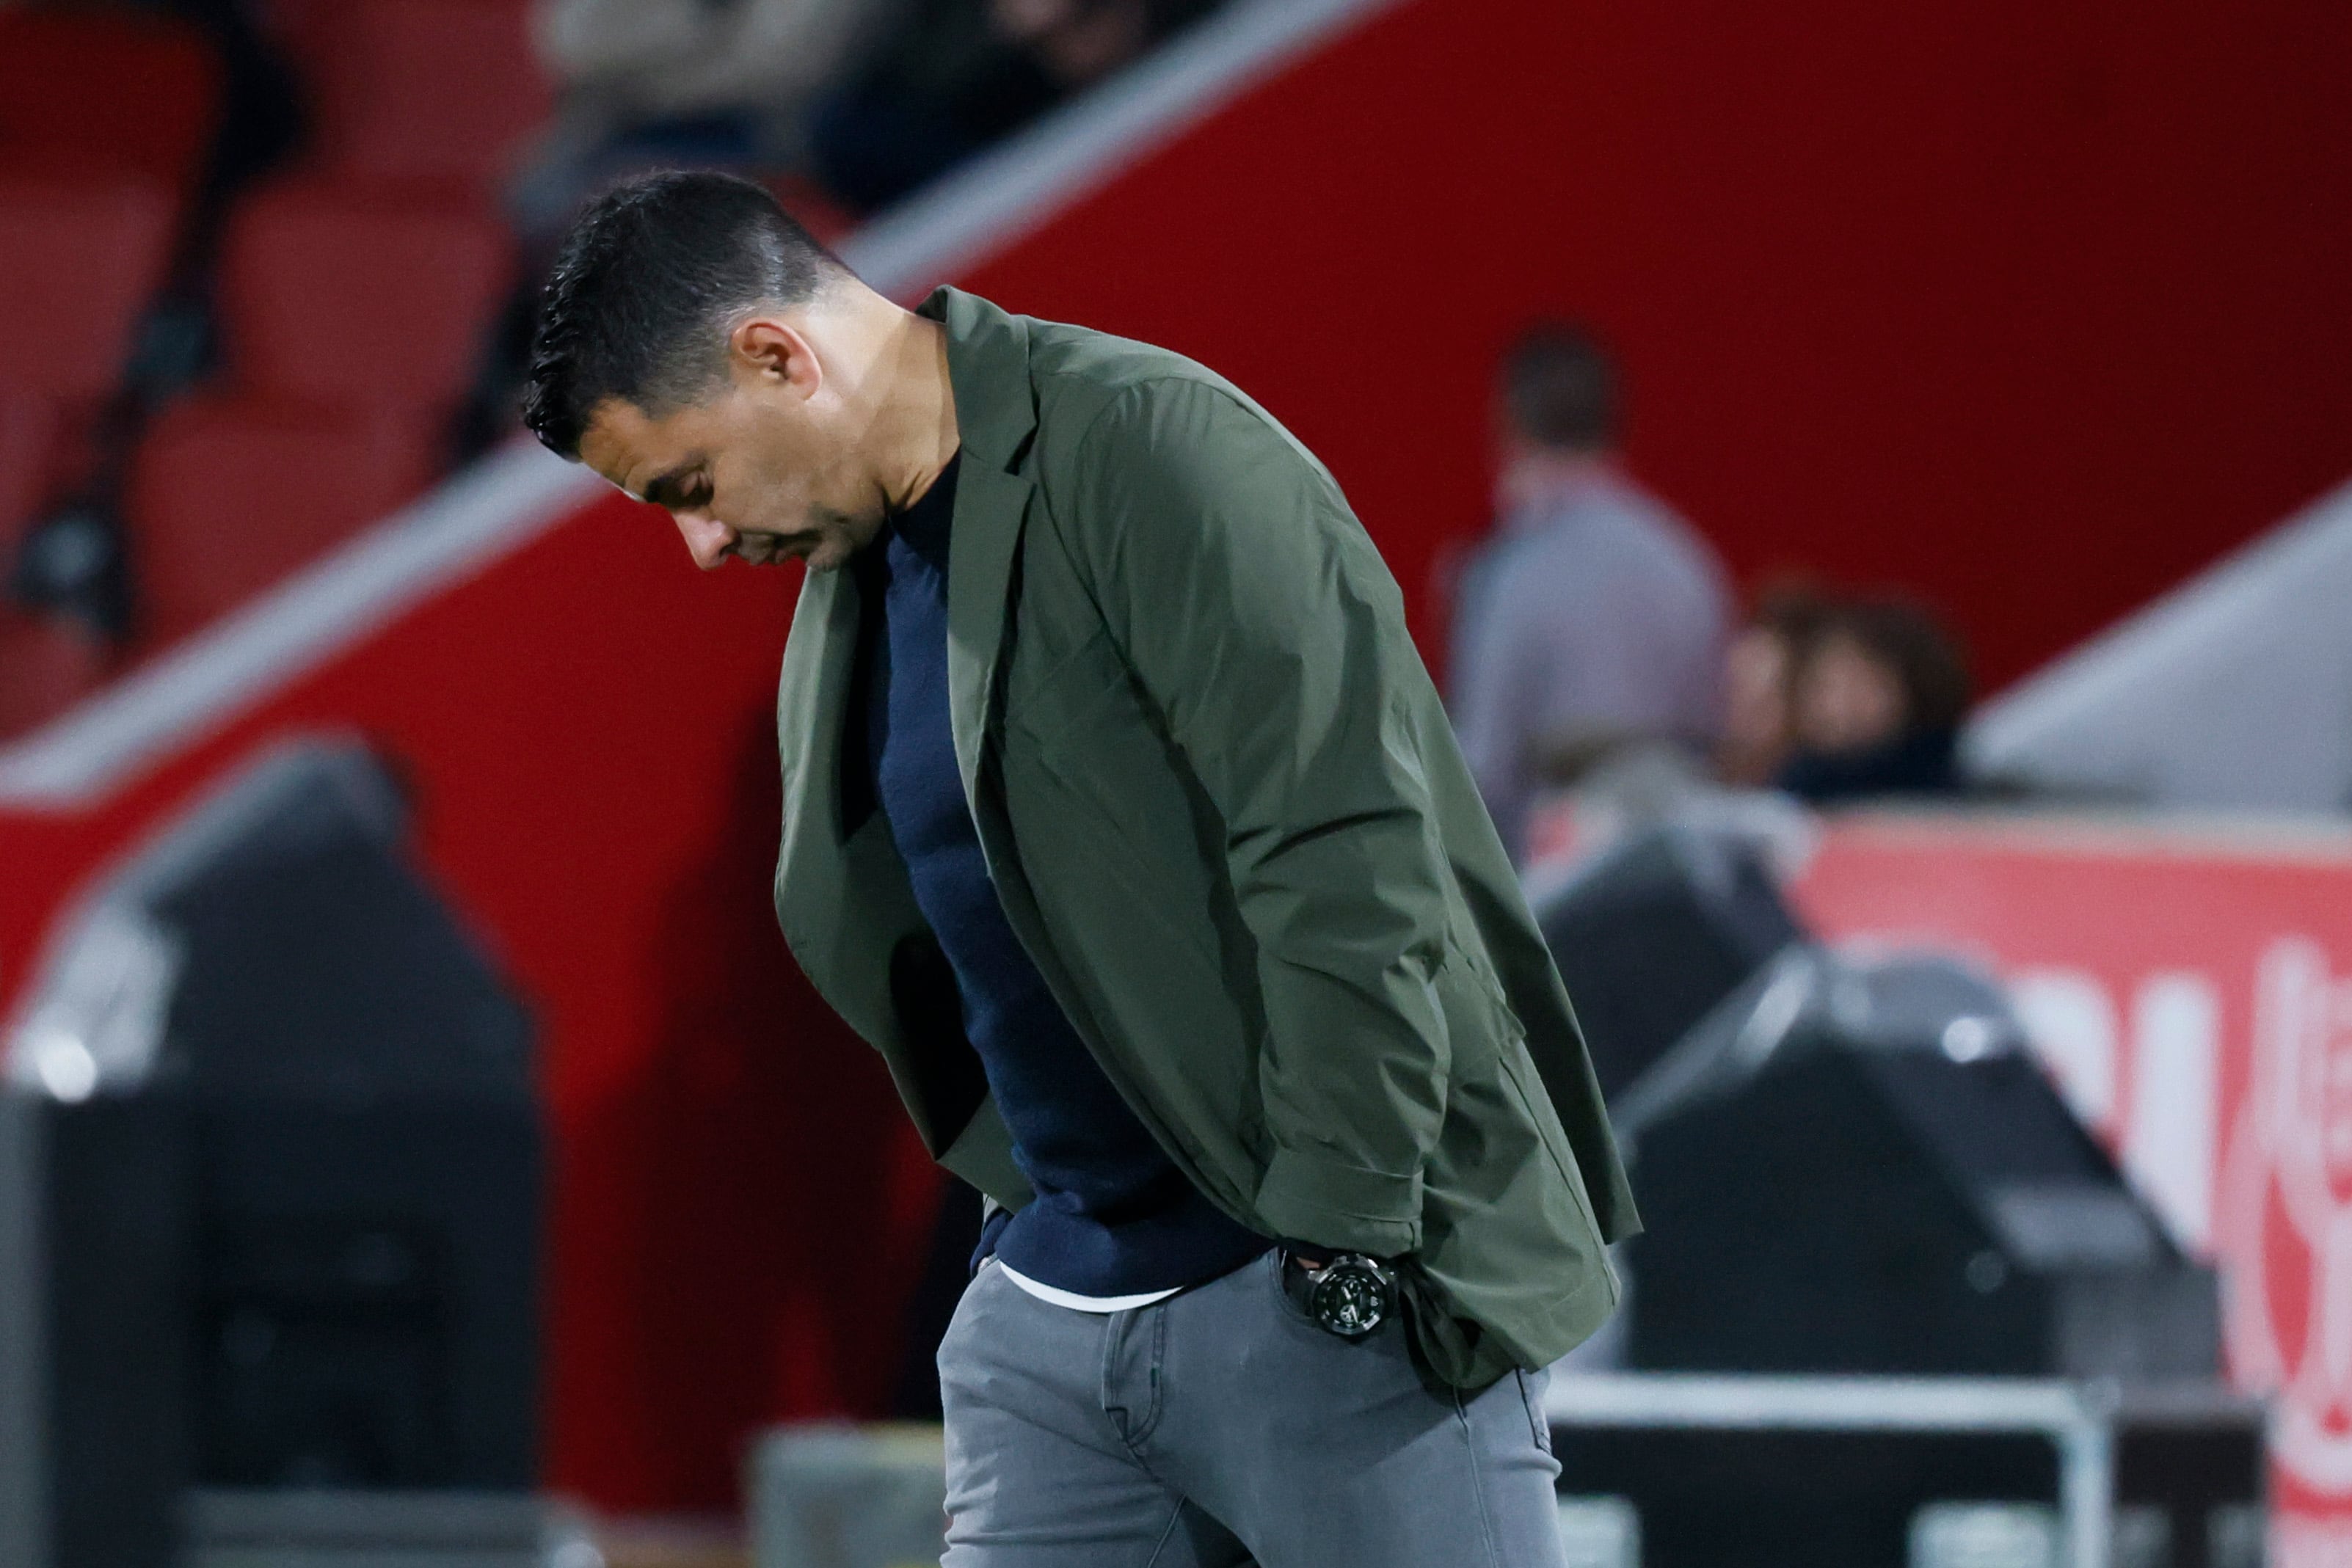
(1113, 1215)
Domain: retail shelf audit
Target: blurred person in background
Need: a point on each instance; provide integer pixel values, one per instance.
(725, 83)
(1877, 697)
(1596, 617)
(1592, 802)
(960, 74)
(864, 100)
(852, 104)
(1081, 42)
(1760, 672)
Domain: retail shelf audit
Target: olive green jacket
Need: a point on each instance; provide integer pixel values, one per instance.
(1225, 812)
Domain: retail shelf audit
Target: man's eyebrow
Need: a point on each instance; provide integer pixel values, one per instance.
(664, 491)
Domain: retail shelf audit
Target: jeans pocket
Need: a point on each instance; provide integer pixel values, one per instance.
(1275, 1264)
(1531, 1395)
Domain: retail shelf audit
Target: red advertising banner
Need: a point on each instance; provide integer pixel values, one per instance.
(2191, 990)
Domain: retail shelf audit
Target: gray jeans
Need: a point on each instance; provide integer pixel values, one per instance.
(1221, 1427)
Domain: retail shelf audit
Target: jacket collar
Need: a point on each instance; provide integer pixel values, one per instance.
(987, 369)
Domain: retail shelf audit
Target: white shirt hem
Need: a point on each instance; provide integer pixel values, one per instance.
(1077, 1303)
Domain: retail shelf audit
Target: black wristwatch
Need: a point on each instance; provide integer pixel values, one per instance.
(1349, 1296)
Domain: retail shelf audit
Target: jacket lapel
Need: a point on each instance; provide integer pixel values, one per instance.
(842, 891)
(812, 696)
(990, 510)
(987, 365)
(814, 881)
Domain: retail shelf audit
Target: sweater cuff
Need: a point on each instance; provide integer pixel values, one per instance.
(1335, 1204)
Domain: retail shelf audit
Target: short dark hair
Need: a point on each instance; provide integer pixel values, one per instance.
(1926, 660)
(1559, 387)
(642, 290)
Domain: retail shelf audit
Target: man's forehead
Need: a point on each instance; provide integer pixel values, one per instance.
(621, 443)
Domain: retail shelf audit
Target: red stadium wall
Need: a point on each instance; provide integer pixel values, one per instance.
(2033, 308)
(737, 1212)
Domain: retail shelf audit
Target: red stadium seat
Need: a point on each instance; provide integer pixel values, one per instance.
(441, 90)
(28, 434)
(77, 262)
(229, 494)
(105, 94)
(45, 667)
(344, 297)
(300, 29)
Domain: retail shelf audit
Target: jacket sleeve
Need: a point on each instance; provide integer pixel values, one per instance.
(1264, 628)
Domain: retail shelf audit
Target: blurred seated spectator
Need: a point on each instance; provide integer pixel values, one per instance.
(1595, 617)
(1080, 42)
(670, 57)
(960, 74)
(648, 83)
(1758, 674)
(840, 106)
(1877, 701)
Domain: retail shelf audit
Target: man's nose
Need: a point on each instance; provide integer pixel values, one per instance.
(707, 540)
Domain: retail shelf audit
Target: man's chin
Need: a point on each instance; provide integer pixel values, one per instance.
(822, 552)
(826, 555)
(834, 543)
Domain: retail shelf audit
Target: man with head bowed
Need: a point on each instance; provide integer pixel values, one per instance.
(1122, 818)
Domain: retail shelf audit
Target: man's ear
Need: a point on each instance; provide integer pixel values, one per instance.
(765, 349)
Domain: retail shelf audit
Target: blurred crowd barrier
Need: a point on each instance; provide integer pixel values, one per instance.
(2190, 989)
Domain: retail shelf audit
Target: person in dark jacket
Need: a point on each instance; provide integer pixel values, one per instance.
(1879, 694)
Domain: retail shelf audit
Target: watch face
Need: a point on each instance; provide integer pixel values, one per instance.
(1348, 1301)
